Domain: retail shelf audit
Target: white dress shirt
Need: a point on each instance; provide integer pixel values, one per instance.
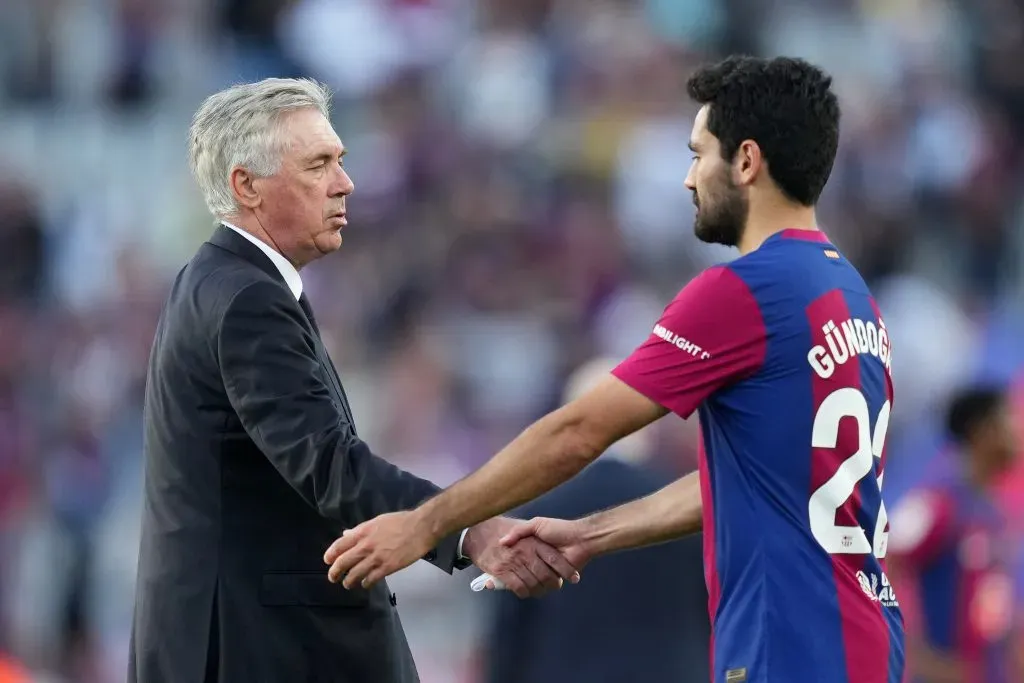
(294, 282)
(284, 266)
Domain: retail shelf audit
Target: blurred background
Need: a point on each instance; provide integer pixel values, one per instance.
(519, 209)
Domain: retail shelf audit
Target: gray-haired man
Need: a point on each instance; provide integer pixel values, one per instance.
(253, 463)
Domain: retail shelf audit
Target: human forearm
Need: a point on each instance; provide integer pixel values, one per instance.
(373, 486)
(546, 454)
(543, 456)
(669, 513)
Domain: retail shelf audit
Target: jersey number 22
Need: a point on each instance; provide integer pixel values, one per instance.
(848, 403)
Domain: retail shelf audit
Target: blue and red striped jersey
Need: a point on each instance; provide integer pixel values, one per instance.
(953, 541)
(785, 356)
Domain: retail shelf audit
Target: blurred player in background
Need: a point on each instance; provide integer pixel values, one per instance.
(950, 543)
(555, 639)
(786, 356)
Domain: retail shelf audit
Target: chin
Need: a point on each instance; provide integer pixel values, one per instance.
(330, 242)
(711, 236)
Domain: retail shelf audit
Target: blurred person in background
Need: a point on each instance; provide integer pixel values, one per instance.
(616, 617)
(22, 279)
(950, 546)
(13, 672)
(22, 259)
(253, 462)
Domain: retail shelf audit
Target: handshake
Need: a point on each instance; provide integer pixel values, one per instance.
(530, 558)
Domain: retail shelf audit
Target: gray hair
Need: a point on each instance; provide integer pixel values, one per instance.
(239, 127)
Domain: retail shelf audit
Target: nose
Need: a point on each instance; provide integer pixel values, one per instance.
(691, 181)
(343, 185)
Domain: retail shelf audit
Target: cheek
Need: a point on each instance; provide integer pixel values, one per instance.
(702, 176)
(284, 197)
(307, 190)
(275, 202)
(304, 199)
(706, 184)
(317, 196)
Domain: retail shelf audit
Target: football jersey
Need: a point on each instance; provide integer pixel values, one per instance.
(786, 358)
(953, 540)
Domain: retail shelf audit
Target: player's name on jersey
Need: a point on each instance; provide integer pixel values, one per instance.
(851, 338)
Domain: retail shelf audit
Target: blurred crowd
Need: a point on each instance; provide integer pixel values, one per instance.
(519, 209)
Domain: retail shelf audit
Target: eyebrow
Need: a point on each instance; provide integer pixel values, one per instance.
(327, 156)
(693, 146)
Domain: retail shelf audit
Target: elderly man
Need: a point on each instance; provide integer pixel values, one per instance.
(253, 462)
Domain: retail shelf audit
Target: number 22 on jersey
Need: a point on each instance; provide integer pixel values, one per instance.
(848, 403)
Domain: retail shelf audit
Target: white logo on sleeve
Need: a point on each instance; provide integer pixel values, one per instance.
(680, 342)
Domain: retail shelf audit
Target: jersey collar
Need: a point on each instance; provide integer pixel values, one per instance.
(804, 235)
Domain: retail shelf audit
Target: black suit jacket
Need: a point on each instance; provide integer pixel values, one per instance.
(636, 617)
(253, 467)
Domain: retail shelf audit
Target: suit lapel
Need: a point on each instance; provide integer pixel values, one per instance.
(332, 375)
(226, 238)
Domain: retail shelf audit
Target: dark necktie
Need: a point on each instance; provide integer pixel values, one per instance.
(308, 310)
(325, 360)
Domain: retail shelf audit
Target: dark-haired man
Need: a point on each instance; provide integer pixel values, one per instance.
(950, 544)
(786, 357)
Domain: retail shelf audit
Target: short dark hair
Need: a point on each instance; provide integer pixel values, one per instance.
(970, 408)
(786, 106)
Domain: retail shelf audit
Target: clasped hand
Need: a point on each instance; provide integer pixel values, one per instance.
(507, 549)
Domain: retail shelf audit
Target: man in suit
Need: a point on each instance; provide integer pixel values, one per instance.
(253, 462)
(648, 606)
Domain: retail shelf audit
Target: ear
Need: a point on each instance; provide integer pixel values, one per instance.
(748, 162)
(244, 189)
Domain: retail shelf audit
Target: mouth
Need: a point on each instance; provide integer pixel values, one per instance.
(339, 217)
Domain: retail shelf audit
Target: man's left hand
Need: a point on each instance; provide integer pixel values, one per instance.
(378, 548)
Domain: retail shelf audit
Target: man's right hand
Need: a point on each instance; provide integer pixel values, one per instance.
(567, 536)
(530, 569)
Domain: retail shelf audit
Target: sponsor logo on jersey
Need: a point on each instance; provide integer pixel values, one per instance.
(883, 593)
(680, 342)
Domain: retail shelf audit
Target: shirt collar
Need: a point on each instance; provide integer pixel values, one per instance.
(287, 270)
(804, 235)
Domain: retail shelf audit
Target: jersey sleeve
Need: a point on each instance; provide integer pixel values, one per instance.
(921, 527)
(710, 336)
